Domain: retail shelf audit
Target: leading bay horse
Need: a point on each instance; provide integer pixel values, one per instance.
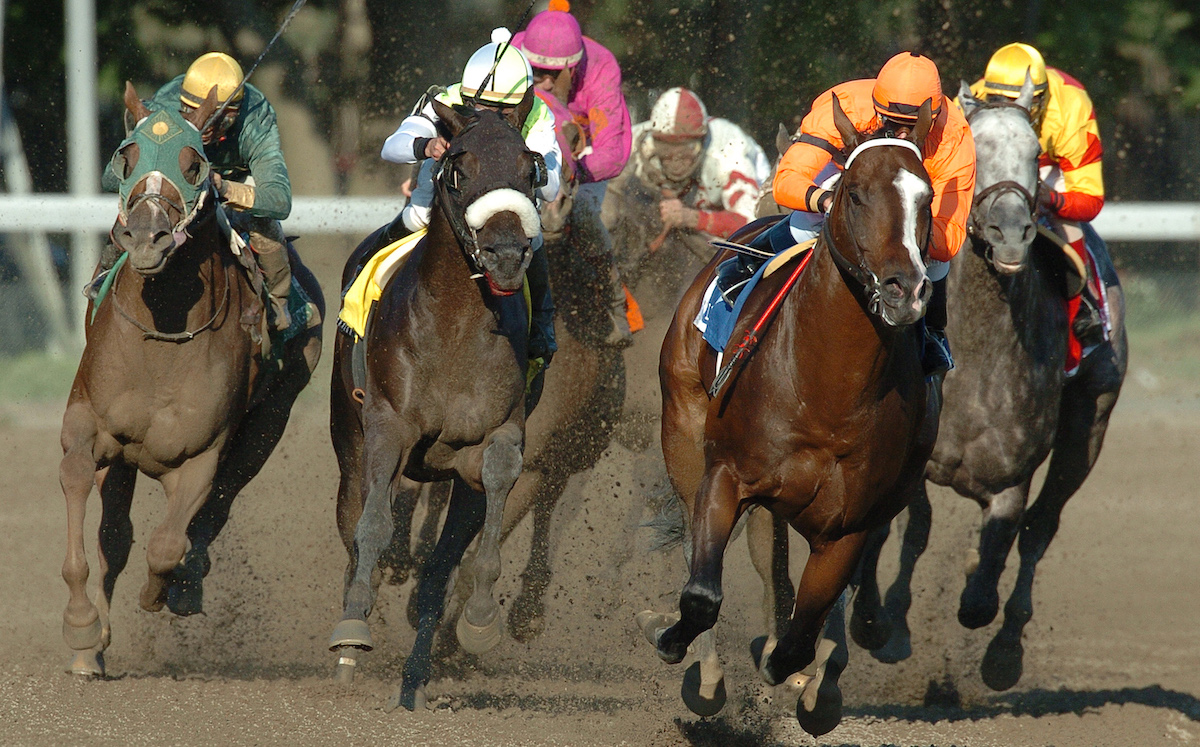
(1008, 405)
(174, 380)
(444, 392)
(828, 423)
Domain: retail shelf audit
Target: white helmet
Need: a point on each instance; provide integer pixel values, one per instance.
(679, 114)
(510, 78)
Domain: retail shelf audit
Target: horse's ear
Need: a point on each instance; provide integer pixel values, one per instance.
(924, 123)
(449, 117)
(845, 128)
(200, 115)
(1025, 98)
(966, 99)
(517, 116)
(134, 104)
(783, 140)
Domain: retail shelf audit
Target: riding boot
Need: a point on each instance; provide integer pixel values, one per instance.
(541, 333)
(1088, 325)
(621, 335)
(935, 354)
(277, 271)
(108, 257)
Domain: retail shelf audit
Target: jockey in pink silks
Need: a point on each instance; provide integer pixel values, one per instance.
(585, 76)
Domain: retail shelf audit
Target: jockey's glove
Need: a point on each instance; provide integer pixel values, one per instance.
(1049, 201)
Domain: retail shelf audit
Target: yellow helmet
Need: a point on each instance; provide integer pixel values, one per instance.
(211, 69)
(1005, 74)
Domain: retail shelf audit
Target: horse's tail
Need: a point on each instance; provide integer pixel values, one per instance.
(668, 526)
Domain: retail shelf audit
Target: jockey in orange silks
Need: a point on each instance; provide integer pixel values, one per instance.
(891, 101)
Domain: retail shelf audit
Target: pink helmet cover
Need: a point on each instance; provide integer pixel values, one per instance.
(552, 40)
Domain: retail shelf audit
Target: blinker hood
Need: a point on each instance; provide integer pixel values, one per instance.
(160, 138)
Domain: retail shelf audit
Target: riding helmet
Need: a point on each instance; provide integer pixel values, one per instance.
(552, 40)
(497, 73)
(904, 83)
(211, 69)
(679, 114)
(1005, 74)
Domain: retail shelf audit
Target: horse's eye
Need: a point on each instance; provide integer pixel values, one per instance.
(854, 197)
(124, 161)
(193, 166)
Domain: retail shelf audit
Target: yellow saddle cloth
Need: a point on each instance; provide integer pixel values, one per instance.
(368, 284)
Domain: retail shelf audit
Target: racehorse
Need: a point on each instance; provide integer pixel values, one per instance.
(175, 381)
(573, 422)
(1008, 404)
(444, 390)
(829, 421)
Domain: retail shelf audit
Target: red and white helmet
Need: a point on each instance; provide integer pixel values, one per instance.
(679, 114)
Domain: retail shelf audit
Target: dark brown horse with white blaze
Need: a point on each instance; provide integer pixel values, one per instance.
(172, 383)
(1008, 405)
(828, 423)
(444, 394)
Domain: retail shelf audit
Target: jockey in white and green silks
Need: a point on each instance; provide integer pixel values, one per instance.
(417, 140)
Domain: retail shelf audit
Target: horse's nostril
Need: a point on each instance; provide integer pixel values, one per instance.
(894, 288)
(1028, 233)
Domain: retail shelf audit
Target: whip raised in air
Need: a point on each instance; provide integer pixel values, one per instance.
(282, 27)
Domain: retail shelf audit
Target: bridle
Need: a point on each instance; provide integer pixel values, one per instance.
(467, 236)
(1000, 188)
(863, 275)
(179, 231)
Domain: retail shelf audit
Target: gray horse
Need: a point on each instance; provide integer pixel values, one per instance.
(1008, 405)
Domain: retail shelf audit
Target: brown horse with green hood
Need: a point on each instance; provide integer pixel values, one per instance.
(175, 382)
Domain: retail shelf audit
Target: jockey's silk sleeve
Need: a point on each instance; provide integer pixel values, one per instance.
(951, 168)
(598, 104)
(263, 154)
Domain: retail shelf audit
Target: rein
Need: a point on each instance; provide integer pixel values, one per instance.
(149, 333)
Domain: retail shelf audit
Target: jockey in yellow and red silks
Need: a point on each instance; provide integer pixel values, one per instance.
(1071, 186)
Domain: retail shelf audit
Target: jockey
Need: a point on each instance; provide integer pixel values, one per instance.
(507, 75)
(248, 171)
(890, 101)
(585, 77)
(713, 168)
(1071, 185)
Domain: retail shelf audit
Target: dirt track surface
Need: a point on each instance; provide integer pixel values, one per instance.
(1112, 654)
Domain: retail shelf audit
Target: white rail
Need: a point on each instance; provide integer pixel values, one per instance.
(1119, 221)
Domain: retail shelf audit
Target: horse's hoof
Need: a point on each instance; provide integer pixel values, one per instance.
(819, 709)
(83, 638)
(87, 664)
(701, 699)
(477, 639)
(351, 632)
(185, 598)
(346, 664)
(871, 633)
(652, 624)
(974, 615)
(825, 713)
(1002, 663)
(411, 699)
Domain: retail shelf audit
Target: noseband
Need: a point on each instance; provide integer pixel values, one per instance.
(179, 232)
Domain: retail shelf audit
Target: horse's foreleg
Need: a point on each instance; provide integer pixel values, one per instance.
(116, 485)
(384, 449)
(826, 574)
(716, 511)
(82, 628)
(1083, 420)
(187, 487)
(915, 534)
(980, 600)
(479, 625)
(463, 521)
(869, 624)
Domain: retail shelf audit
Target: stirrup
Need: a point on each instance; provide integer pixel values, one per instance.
(935, 353)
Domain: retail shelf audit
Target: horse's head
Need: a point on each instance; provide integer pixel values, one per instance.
(485, 188)
(1006, 162)
(880, 220)
(164, 181)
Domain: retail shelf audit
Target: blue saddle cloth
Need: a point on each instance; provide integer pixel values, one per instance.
(717, 318)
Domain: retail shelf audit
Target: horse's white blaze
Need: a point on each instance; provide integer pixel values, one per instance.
(913, 190)
(154, 182)
(500, 200)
